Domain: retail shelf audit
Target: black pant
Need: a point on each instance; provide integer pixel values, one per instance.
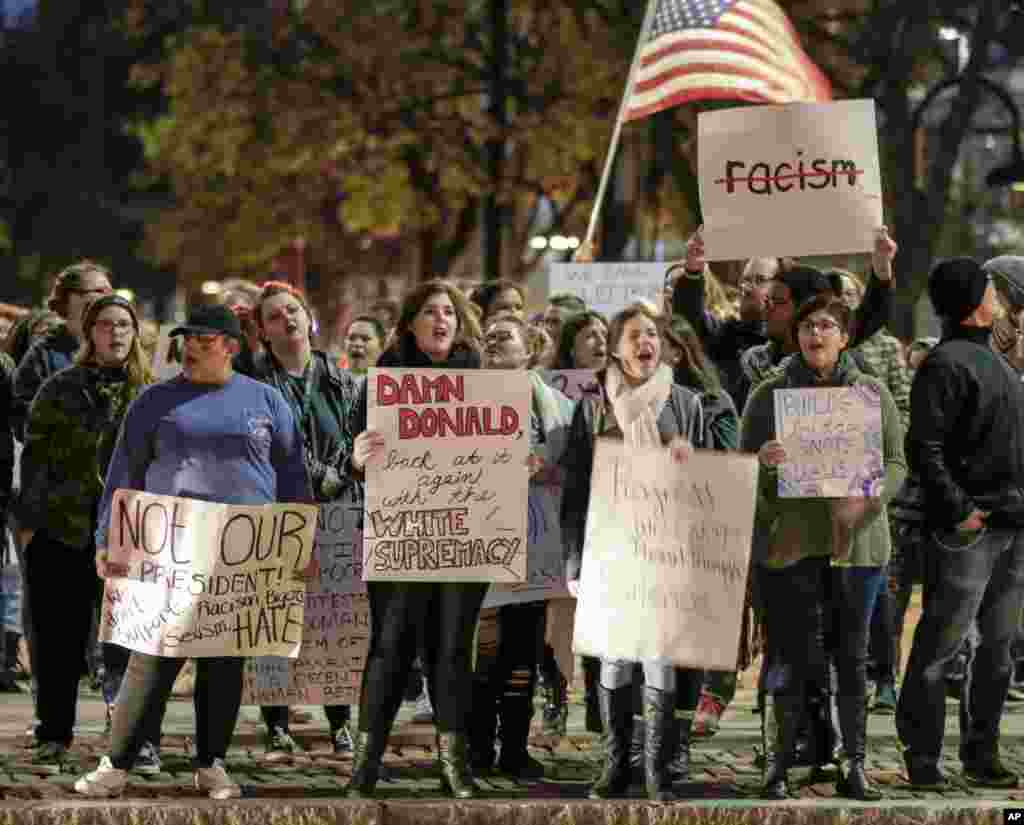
(64, 591)
(142, 700)
(276, 716)
(445, 615)
(882, 642)
(967, 577)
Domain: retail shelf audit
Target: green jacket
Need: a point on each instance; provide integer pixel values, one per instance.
(792, 529)
(72, 424)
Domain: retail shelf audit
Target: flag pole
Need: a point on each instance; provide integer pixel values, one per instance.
(595, 212)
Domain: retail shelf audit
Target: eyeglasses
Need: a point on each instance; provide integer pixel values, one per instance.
(203, 341)
(822, 327)
(109, 326)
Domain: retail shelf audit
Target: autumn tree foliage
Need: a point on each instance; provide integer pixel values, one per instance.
(356, 116)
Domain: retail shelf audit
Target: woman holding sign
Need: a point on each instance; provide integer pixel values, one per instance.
(322, 398)
(436, 329)
(72, 425)
(639, 404)
(825, 557)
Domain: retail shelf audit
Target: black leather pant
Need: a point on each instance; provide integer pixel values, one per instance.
(444, 616)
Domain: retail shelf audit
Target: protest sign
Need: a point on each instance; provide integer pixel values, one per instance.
(665, 557)
(545, 561)
(336, 636)
(574, 384)
(798, 179)
(206, 579)
(609, 287)
(833, 441)
(447, 501)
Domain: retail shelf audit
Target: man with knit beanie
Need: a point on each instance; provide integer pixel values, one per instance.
(966, 445)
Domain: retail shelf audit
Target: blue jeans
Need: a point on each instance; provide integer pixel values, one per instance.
(967, 577)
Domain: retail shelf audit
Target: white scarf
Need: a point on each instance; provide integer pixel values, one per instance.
(636, 409)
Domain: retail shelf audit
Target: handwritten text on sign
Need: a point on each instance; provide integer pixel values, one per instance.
(833, 441)
(607, 288)
(574, 384)
(798, 179)
(336, 636)
(447, 500)
(206, 579)
(666, 553)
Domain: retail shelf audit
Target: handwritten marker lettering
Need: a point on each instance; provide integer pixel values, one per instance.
(763, 179)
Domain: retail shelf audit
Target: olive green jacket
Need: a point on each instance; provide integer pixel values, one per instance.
(792, 529)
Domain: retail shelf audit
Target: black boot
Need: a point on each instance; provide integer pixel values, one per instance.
(516, 711)
(483, 722)
(780, 724)
(679, 767)
(556, 705)
(452, 756)
(592, 704)
(853, 718)
(617, 718)
(659, 721)
(369, 750)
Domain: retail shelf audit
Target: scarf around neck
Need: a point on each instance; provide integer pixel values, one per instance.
(637, 408)
(798, 374)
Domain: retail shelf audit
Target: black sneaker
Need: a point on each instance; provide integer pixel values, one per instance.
(342, 739)
(924, 775)
(47, 759)
(990, 773)
(147, 762)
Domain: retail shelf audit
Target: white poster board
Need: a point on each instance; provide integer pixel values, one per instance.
(833, 441)
(206, 579)
(666, 556)
(336, 636)
(609, 287)
(791, 180)
(448, 499)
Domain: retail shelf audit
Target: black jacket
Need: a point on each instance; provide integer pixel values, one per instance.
(966, 437)
(325, 452)
(682, 415)
(47, 356)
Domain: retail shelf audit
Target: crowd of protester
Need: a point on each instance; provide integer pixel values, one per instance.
(830, 580)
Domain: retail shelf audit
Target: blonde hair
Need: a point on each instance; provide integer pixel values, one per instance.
(716, 298)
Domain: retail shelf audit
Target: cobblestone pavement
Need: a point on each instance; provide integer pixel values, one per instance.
(723, 767)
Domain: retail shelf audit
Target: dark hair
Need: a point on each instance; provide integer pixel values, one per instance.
(622, 317)
(570, 329)
(468, 333)
(485, 294)
(696, 369)
(69, 280)
(567, 300)
(137, 364)
(823, 302)
(378, 327)
(21, 336)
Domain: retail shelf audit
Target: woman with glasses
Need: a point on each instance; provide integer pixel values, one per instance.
(72, 425)
(824, 558)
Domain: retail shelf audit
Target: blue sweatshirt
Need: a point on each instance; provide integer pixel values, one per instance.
(236, 443)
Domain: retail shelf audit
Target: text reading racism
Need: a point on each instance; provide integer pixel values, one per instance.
(412, 391)
(763, 178)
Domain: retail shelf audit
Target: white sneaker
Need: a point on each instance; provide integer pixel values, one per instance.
(216, 782)
(105, 781)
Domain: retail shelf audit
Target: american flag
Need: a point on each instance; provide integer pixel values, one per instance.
(726, 49)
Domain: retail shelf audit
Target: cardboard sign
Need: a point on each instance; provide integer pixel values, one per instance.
(336, 636)
(448, 499)
(833, 441)
(574, 384)
(609, 287)
(206, 579)
(666, 555)
(798, 179)
(545, 559)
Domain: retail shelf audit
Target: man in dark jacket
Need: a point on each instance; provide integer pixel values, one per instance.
(74, 289)
(966, 444)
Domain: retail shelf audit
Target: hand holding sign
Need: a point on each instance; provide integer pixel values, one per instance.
(772, 454)
(884, 252)
(695, 252)
(368, 445)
